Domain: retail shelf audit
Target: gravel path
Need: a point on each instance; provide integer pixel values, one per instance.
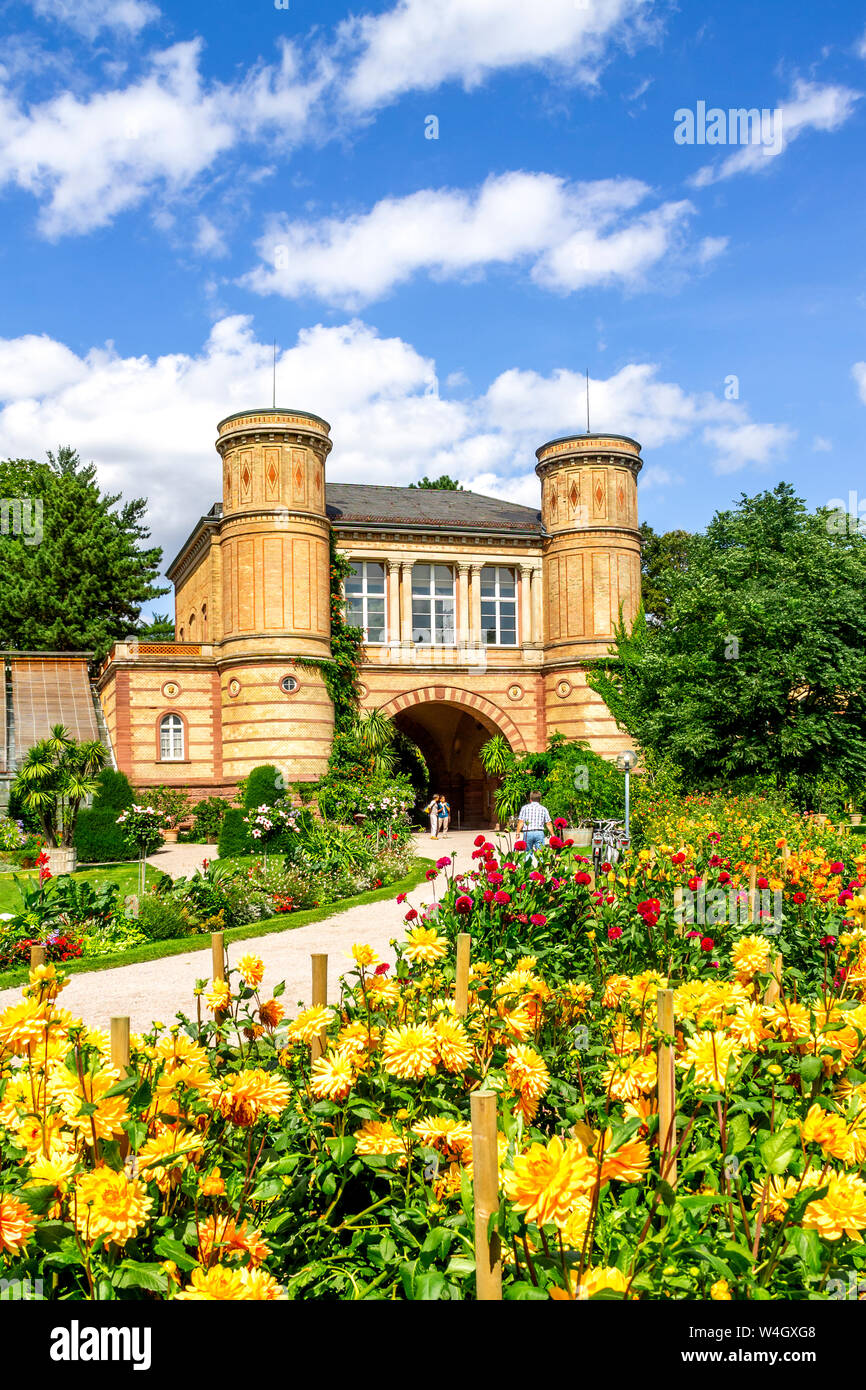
(158, 989)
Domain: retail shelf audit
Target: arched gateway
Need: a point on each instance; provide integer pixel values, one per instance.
(450, 725)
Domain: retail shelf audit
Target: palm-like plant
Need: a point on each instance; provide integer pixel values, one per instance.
(57, 775)
(496, 756)
(375, 734)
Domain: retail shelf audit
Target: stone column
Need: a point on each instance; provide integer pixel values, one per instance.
(464, 614)
(537, 595)
(406, 601)
(526, 633)
(392, 585)
(475, 603)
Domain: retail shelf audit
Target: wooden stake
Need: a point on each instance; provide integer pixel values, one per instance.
(667, 1089)
(120, 1045)
(785, 853)
(218, 954)
(679, 915)
(461, 984)
(753, 880)
(320, 996)
(485, 1169)
(774, 988)
(37, 956)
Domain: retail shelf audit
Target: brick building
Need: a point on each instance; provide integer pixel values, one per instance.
(479, 614)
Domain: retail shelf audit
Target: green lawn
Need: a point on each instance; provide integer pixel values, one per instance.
(285, 922)
(126, 875)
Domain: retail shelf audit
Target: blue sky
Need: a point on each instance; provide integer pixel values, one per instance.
(181, 183)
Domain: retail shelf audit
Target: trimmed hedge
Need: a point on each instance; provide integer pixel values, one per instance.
(115, 791)
(234, 837)
(265, 786)
(98, 838)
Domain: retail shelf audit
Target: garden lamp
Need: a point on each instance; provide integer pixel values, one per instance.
(626, 761)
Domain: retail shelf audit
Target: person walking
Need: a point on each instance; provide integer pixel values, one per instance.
(444, 817)
(533, 819)
(432, 810)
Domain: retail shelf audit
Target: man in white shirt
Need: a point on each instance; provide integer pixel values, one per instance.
(534, 819)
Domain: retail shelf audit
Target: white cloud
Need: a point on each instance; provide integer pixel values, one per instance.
(390, 422)
(861, 46)
(209, 239)
(418, 45)
(810, 107)
(821, 445)
(89, 17)
(569, 236)
(742, 444)
(89, 158)
(858, 371)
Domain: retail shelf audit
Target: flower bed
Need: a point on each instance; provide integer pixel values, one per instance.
(260, 1169)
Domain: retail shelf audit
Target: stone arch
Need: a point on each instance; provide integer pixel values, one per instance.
(453, 695)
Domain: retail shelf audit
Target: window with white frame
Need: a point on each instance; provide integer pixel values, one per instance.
(433, 605)
(171, 738)
(365, 599)
(499, 606)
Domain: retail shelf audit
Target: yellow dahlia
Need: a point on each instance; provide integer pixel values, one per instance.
(251, 969)
(626, 1078)
(310, 1023)
(109, 1205)
(217, 995)
(249, 1094)
(424, 944)
(380, 1137)
(410, 1052)
(364, 956)
(628, 1162)
(547, 1180)
(710, 1055)
(842, 1212)
(163, 1159)
(271, 1012)
(452, 1044)
(332, 1076)
(453, 1135)
(751, 956)
(721, 1291)
(16, 1224)
(222, 1285)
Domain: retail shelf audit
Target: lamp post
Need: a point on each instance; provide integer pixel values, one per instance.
(626, 762)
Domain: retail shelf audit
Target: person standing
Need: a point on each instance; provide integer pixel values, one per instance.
(432, 810)
(532, 820)
(444, 817)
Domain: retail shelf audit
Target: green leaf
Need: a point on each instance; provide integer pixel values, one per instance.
(526, 1292)
(341, 1149)
(133, 1275)
(278, 989)
(811, 1068)
(38, 1199)
(778, 1150)
(739, 1134)
(169, 1249)
(121, 1087)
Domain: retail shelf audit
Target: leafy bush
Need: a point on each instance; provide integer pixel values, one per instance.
(12, 834)
(165, 916)
(15, 944)
(99, 839)
(265, 786)
(114, 790)
(234, 837)
(209, 815)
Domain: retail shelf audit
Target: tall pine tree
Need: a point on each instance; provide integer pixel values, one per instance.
(81, 584)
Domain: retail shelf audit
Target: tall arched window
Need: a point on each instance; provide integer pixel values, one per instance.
(204, 622)
(171, 738)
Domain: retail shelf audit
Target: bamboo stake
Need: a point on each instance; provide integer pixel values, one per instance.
(679, 915)
(320, 996)
(667, 1089)
(120, 1045)
(485, 1170)
(120, 1059)
(753, 880)
(218, 955)
(37, 956)
(785, 853)
(461, 984)
(774, 988)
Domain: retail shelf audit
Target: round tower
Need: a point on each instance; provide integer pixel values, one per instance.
(592, 572)
(275, 600)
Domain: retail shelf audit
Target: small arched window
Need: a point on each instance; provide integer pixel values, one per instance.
(204, 622)
(171, 738)
(181, 634)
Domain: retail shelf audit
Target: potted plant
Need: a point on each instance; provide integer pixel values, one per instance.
(59, 774)
(143, 828)
(174, 803)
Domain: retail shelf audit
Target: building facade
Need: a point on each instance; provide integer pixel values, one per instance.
(479, 615)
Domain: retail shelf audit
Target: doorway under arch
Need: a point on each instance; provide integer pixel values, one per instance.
(450, 730)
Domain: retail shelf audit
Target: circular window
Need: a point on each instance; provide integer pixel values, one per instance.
(289, 685)
(234, 689)
(170, 690)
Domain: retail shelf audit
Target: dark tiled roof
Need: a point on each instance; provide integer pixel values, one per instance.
(407, 506)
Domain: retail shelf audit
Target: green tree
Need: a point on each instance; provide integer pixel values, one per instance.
(663, 557)
(759, 668)
(443, 483)
(56, 776)
(78, 581)
(160, 628)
